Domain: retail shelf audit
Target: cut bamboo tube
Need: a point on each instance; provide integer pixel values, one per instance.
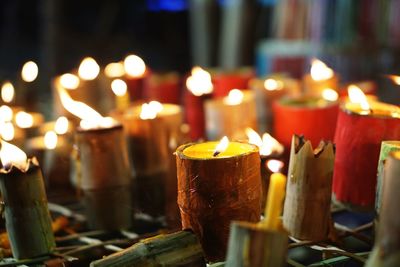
(212, 192)
(28, 219)
(307, 213)
(230, 120)
(251, 245)
(386, 252)
(105, 177)
(174, 250)
(386, 148)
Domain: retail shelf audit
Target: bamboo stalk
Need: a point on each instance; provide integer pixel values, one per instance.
(251, 245)
(177, 249)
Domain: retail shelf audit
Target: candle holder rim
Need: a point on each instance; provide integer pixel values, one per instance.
(181, 148)
(31, 165)
(117, 125)
(291, 103)
(371, 115)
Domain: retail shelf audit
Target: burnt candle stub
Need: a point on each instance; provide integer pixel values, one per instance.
(28, 220)
(213, 191)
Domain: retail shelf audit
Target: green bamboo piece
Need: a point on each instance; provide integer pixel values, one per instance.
(169, 250)
(28, 220)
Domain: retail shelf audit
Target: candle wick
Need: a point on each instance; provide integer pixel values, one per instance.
(216, 153)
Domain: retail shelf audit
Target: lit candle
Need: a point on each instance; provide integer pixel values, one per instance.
(27, 87)
(320, 77)
(205, 206)
(361, 127)
(269, 90)
(276, 195)
(135, 74)
(225, 81)
(162, 87)
(150, 128)
(28, 220)
(231, 115)
(199, 87)
(315, 118)
(105, 174)
(7, 92)
(119, 88)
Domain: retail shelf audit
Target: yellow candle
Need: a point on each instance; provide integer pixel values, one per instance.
(273, 208)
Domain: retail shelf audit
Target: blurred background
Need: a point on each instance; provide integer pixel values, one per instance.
(359, 39)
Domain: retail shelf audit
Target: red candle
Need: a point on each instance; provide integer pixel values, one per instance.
(312, 117)
(164, 88)
(226, 81)
(199, 87)
(361, 127)
(135, 74)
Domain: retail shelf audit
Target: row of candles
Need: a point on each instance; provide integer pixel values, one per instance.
(154, 130)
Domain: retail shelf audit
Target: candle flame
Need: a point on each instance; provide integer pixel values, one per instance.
(320, 71)
(119, 87)
(235, 97)
(275, 165)
(330, 95)
(221, 146)
(357, 96)
(7, 131)
(134, 66)
(88, 69)
(199, 83)
(394, 78)
(61, 125)
(6, 113)
(69, 81)
(29, 71)
(150, 110)
(90, 118)
(267, 144)
(24, 119)
(50, 140)
(7, 92)
(11, 155)
(254, 137)
(273, 85)
(114, 70)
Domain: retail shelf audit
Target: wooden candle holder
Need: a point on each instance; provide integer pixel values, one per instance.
(386, 148)
(230, 120)
(177, 249)
(360, 136)
(315, 88)
(195, 114)
(149, 142)
(105, 177)
(28, 220)
(386, 252)
(279, 86)
(213, 192)
(251, 245)
(307, 214)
